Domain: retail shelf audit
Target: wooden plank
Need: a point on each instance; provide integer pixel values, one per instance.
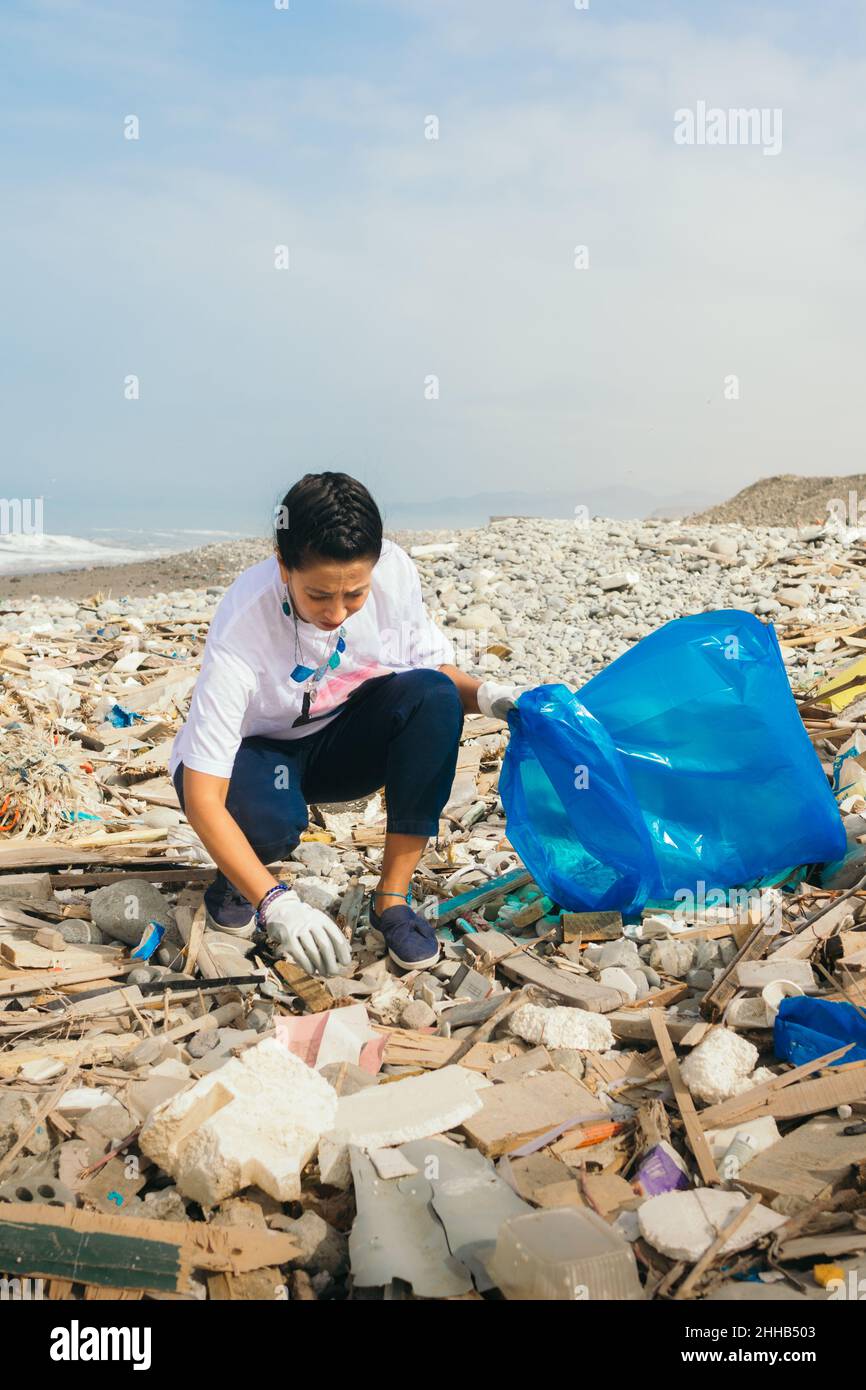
(34, 981)
(92, 1050)
(312, 991)
(412, 1048)
(100, 879)
(195, 939)
(189, 915)
(113, 1001)
(21, 951)
(129, 1252)
(474, 898)
(591, 926)
(660, 998)
(686, 1106)
(812, 1097)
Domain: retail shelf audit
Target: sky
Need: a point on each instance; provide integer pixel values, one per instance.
(432, 333)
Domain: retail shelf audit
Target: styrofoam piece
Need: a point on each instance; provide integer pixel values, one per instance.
(682, 1225)
(382, 1116)
(764, 1133)
(562, 1026)
(256, 1120)
(721, 1060)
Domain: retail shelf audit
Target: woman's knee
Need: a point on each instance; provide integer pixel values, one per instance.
(433, 686)
(264, 795)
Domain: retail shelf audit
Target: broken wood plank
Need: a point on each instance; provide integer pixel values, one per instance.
(411, 1048)
(591, 926)
(686, 1106)
(33, 981)
(127, 1252)
(474, 898)
(314, 994)
(21, 951)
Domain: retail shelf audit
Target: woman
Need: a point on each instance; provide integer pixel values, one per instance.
(323, 678)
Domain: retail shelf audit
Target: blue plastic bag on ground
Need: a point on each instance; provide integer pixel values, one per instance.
(684, 763)
(808, 1028)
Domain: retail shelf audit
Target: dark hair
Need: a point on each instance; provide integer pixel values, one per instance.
(329, 515)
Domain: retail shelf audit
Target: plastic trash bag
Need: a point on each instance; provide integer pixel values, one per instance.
(808, 1028)
(683, 763)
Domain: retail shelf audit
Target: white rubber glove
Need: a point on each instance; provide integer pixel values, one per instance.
(308, 936)
(496, 700)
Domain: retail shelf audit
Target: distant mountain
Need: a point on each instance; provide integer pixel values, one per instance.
(617, 500)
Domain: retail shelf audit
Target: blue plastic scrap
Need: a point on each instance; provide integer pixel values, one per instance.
(684, 762)
(150, 939)
(809, 1028)
(122, 718)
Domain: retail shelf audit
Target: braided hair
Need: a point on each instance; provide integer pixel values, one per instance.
(327, 516)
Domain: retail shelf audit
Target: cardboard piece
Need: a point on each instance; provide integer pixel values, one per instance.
(805, 1166)
(518, 1111)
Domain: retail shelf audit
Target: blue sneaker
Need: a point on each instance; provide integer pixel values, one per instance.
(410, 938)
(227, 910)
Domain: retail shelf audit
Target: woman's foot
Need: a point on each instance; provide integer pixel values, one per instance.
(227, 910)
(410, 938)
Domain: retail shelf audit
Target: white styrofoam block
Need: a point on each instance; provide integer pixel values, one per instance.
(381, 1116)
(718, 1063)
(562, 1026)
(755, 974)
(682, 1225)
(257, 1120)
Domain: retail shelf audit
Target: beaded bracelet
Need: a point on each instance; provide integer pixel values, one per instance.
(272, 893)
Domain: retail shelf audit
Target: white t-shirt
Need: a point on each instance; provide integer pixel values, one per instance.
(245, 686)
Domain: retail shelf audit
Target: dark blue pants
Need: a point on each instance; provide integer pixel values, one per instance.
(400, 731)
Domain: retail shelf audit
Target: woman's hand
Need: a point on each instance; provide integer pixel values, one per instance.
(313, 941)
(496, 700)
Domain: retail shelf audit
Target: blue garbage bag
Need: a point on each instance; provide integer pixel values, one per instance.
(808, 1028)
(683, 764)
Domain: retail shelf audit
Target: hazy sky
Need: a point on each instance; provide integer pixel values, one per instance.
(412, 257)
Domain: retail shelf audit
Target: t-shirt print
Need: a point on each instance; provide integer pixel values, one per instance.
(336, 688)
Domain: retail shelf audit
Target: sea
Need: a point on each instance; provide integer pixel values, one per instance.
(44, 552)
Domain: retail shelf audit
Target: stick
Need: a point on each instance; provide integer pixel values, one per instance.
(483, 1031)
(686, 1106)
(708, 1256)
